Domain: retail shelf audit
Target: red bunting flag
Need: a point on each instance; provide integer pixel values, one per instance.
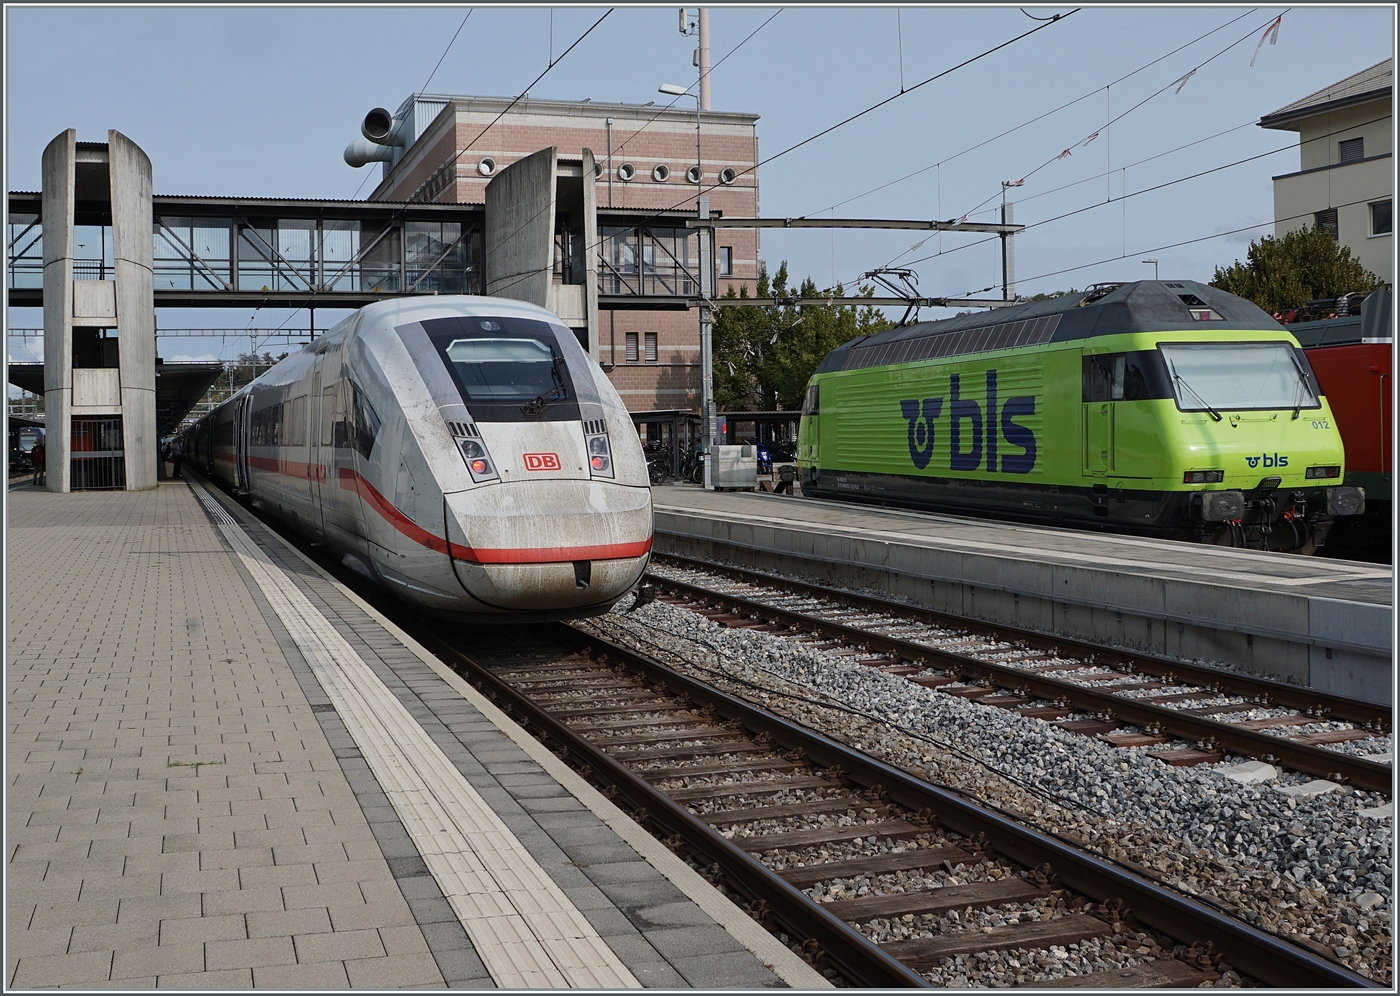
(1270, 35)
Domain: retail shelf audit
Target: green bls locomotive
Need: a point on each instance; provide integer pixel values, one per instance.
(1167, 409)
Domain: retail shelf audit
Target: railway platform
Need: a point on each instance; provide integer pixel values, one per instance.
(1307, 620)
(225, 770)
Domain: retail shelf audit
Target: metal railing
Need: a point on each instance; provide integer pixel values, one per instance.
(98, 460)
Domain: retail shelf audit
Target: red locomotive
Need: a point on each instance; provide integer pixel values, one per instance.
(1349, 346)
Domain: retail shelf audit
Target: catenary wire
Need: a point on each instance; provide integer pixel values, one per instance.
(526, 223)
(1144, 190)
(1187, 242)
(826, 131)
(1039, 117)
(315, 293)
(1178, 82)
(692, 86)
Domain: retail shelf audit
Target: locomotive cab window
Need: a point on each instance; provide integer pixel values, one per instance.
(1238, 376)
(506, 369)
(1134, 376)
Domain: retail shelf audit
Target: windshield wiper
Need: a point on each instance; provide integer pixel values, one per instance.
(1302, 386)
(557, 393)
(1206, 404)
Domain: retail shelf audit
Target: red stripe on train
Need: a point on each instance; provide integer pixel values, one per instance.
(351, 480)
(290, 468)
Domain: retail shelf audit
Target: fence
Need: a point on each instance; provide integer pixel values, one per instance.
(98, 459)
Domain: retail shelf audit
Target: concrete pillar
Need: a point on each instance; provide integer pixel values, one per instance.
(590, 253)
(519, 239)
(57, 219)
(118, 173)
(130, 171)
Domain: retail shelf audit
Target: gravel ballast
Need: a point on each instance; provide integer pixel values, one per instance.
(1311, 867)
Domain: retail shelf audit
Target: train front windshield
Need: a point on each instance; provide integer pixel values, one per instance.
(507, 368)
(1237, 376)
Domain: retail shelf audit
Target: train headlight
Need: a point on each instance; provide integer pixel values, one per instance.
(1314, 473)
(599, 457)
(478, 460)
(1203, 477)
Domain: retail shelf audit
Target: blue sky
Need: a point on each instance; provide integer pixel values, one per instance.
(262, 100)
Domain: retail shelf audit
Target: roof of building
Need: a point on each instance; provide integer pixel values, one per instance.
(588, 107)
(1370, 84)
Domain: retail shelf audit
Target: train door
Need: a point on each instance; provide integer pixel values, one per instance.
(320, 415)
(240, 442)
(1098, 438)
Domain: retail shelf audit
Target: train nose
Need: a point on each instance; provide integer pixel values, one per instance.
(549, 545)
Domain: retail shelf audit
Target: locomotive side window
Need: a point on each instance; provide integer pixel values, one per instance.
(811, 400)
(1139, 375)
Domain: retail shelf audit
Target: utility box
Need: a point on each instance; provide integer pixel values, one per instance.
(734, 467)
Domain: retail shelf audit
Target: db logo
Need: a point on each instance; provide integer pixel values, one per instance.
(541, 461)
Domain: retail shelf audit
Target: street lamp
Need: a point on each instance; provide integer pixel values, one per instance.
(1153, 261)
(672, 90)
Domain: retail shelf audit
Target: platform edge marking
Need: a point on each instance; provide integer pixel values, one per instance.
(771, 952)
(399, 751)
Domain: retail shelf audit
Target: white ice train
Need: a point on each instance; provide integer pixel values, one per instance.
(462, 452)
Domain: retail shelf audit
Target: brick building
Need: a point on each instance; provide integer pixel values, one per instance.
(446, 149)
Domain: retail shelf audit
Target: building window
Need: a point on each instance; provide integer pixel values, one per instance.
(651, 347)
(1353, 150)
(1380, 218)
(631, 347)
(1326, 220)
(726, 261)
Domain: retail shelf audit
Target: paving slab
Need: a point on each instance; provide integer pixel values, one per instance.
(190, 809)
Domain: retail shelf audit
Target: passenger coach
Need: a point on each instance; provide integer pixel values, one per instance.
(462, 452)
(1163, 408)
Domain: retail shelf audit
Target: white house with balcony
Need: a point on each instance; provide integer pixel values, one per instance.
(1346, 178)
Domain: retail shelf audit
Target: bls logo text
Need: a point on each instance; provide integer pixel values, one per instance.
(975, 426)
(1269, 461)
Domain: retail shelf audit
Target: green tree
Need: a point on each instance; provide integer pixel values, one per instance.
(764, 355)
(1303, 265)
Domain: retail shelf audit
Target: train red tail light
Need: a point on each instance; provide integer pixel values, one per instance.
(1203, 477)
(1313, 473)
(478, 460)
(599, 456)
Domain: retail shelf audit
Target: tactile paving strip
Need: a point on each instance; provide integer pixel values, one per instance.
(526, 930)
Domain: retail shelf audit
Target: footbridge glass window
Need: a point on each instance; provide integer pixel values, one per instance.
(192, 253)
(26, 242)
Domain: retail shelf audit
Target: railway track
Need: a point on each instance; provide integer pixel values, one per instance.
(872, 872)
(877, 874)
(1185, 714)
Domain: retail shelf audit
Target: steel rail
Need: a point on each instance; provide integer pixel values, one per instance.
(1260, 955)
(847, 950)
(1300, 757)
(1276, 692)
